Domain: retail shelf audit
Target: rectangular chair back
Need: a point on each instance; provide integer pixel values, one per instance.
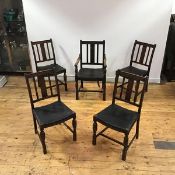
(43, 51)
(142, 54)
(42, 85)
(129, 88)
(92, 52)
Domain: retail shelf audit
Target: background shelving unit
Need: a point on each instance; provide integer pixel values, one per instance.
(14, 56)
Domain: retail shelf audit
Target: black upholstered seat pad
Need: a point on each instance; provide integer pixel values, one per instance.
(56, 67)
(52, 113)
(91, 74)
(134, 70)
(117, 118)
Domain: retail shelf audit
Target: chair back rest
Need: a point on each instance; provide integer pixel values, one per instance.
(42, 85)
(43, 51)
(129, 88)
(92, 52)
(142, 54)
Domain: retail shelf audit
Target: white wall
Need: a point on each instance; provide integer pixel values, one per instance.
(118, 22)
(173, 8)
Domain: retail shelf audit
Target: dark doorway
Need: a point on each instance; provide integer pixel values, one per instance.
(168, 67)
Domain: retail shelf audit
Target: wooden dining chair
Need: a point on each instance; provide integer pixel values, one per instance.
(92, 66)
(42, 86)
(44, 56)
(128, 88)
(141, 59)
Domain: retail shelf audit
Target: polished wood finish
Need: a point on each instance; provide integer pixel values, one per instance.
(20, 149)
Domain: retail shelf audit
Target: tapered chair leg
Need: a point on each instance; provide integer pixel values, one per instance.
(74, 125)
(94, 133)
(42, 138)
(65, 81)
(76, 87)
(125, 147)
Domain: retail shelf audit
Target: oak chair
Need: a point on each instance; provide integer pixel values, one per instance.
(92, 61)
(44, 56)
(130, 91)
(141, 59)
(42, 86)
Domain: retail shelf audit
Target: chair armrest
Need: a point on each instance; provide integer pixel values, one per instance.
(78, 60)
(76, 65)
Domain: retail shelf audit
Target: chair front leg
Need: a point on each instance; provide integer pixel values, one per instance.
(65, 81)
(125, 147)
(94, 133)
(74, 125)
(42, 138)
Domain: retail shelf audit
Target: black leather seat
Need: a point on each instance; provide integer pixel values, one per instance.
(89, 74)
(58, 69)
(117, 117)
(53, 113)
(134, 70)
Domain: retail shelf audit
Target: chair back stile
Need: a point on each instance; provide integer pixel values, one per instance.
(40, 86)
(142, 54)
(43, 51)
(129, 88)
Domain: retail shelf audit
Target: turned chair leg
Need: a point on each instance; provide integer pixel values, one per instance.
(42, 138)
(65, 81)
(74, 125)
(94, 133)
(125, 147)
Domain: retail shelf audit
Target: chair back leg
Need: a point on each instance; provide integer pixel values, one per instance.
(65, 81)
(104, 90)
